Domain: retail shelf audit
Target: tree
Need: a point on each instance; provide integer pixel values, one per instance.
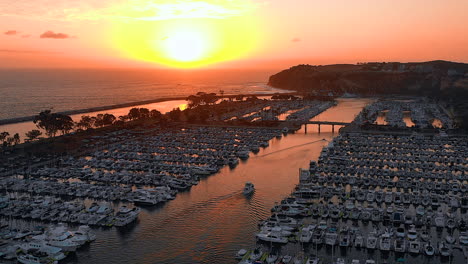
(16, 139)
(3, 136)
(10, 141)
(134, 113)
(123, 118)
(98, 120)
(144, 112)
(174, 115)
(193, 101)
(53, 122)
(86, 122)
(108, 119)
(33, 134)
(155, 114)
(210, 98)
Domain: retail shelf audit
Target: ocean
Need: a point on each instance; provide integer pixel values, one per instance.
(27, 92)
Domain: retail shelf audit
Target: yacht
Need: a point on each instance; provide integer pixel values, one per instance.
(126, 215)
(54, 253)
(35, 257)
(248, 188)
(274, 236)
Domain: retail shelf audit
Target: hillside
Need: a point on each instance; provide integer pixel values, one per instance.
(434, 78)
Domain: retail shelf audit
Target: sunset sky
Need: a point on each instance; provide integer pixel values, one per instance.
(229, 33)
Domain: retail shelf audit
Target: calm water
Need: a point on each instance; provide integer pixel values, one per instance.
(27, 92)
(212, 221)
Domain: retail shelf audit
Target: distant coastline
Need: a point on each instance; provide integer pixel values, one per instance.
(130, 104)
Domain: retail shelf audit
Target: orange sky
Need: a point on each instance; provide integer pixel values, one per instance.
(229, 33)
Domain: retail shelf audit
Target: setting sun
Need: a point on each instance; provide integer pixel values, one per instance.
(186, 43)
(186, 46)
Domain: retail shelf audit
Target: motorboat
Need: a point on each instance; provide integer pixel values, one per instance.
(359, 241)
(371, 241)
(414, 247)
(385, 242)
(400, 245)
(274, 236)
(444, 249)
(249, 188)
(241, 253)
(126, 215)
(53, 253)
(429, 250)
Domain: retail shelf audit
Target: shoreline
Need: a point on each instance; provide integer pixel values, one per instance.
(15, 120)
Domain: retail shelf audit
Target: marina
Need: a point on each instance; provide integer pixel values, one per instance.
(354, 200)
(374, 195)
(111, 181)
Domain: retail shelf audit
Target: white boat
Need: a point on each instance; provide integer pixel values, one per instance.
(400, 245)
(64, 242)
(126, 215)
(241, 253)
(274, 236)
(412, 233)
(83, 235)
(272, 257)
(306, 235)
(371, 241)
(463, 238)
(248, 188)
(331, 238)
(286, 259)
(35, 257)
(359, 241)
(256, 254)
(385, 242)
(414, 247)
(53, 253)
(429, 250)
(313, 260)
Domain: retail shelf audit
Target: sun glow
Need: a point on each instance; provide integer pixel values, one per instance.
(186, 43)
(186, 46)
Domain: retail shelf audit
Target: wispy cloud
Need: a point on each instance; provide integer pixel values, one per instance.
(52, 35)
(11, 32)
(149, 10)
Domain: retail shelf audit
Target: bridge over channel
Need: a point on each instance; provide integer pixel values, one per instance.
(321, 123)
